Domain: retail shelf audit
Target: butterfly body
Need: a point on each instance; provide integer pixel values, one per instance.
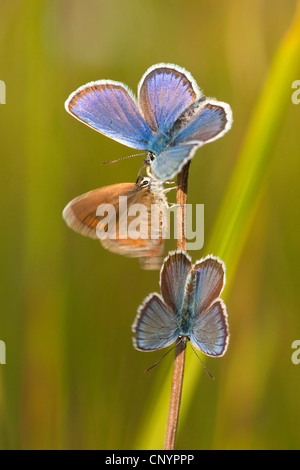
(170, 119)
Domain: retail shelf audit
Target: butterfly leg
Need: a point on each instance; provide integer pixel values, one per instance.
(171, 205)
(169, 189)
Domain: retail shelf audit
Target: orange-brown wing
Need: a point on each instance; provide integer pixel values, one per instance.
(80, 213)
(142, 244)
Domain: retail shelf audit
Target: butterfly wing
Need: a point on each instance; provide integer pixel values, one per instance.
(210, 279)
(149, 249)
(211, 121)
(154, 325)
(173, 277)
(193, 129)
(81, 215)
(210, 332)
(109, 108)
(164, 92)
(168, 163)
(209, 327)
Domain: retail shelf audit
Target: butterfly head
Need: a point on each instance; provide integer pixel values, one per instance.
(144, 182)
(184, 338)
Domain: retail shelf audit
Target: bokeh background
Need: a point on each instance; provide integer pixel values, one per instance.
(72, 379)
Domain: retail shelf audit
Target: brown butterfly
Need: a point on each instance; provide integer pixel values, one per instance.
(110, 214)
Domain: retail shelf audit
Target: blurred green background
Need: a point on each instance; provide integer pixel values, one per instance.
(73, 379)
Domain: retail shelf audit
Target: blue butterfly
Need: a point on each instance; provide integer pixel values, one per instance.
(170, 119)
(189, 307)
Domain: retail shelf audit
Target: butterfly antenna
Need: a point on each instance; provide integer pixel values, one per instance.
(123, 158)
(204, 366)
(164, 355)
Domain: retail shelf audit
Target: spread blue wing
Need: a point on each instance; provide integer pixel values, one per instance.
(169, 162)
(191, 130)
(109, 108)
(209, 332)
(165, 91)
(211, 121)
(173, 278)
(154, 325)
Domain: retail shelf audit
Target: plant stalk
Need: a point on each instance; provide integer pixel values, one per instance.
(178, 371)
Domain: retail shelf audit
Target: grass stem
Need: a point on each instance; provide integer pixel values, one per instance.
(179, 361)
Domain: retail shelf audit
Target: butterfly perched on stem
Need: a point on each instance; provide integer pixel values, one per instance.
(189, 307)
